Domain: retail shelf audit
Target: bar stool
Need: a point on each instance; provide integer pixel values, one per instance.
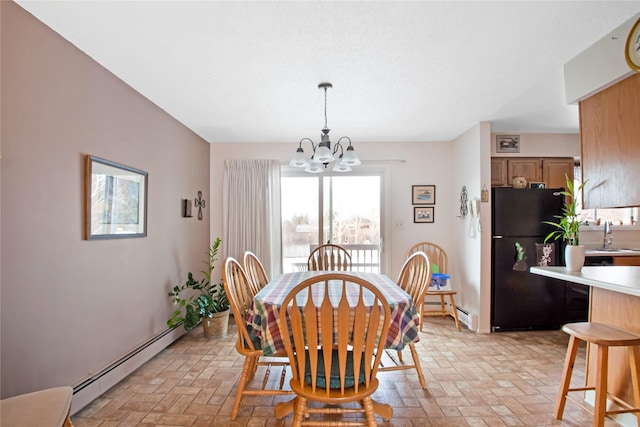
(602, 336)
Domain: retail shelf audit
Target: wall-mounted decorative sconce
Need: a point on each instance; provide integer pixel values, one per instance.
(186, 208)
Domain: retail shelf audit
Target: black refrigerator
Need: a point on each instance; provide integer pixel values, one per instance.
(521, 300)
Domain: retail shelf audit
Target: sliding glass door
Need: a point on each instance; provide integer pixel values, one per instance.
(341, 209)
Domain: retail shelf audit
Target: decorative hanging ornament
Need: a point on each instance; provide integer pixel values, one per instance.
(464, 208)
(200, 203)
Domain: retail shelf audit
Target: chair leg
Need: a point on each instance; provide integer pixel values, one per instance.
(443, 307)
(569, 360)
(253, 366)
(242, 383)
(454, 312)
(416, 363)
(600, 404)
(367, 404)
(301, 405)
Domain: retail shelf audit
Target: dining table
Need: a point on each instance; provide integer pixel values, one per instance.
(262, 317)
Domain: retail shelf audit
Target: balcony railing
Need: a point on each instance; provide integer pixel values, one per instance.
(365, 258)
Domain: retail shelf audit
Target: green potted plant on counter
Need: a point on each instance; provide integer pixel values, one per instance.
(209, 304)
(568, 227)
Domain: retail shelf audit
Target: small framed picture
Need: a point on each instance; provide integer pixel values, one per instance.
(423, 215)
(507, 143)
(423, 194)
(537, 185)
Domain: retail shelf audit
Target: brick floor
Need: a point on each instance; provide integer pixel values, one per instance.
(499, 379)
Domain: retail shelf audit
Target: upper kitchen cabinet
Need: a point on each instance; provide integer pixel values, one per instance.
(529, 168)
(498, 172)
(550, 170)
(610, 144)
(556, 170)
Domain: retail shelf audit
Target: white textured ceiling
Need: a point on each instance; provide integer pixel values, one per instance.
(242, 71)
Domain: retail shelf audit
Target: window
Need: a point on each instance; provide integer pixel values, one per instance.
(617, 216)
(341, 209)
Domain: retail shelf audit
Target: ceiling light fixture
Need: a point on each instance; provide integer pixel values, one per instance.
(322, 152)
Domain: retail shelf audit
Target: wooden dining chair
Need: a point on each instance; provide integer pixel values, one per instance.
(414, 279)
(438, 257)
(255, 272)
(329, 257)
(335, 349)
(236, 285)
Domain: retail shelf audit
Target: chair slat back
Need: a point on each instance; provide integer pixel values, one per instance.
(415, 276)
(255, 272)
(320, 304)
(435, 253)
(236, 285)
(329, 257)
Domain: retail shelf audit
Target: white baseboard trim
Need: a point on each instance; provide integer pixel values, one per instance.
(96, 384)
(469, 319)
(464, 316)
(625, 420)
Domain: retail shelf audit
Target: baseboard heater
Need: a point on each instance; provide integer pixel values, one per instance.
(464, 316)
(99, 382)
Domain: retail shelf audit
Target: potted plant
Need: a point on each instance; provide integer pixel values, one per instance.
(210, 304)
(568, 227)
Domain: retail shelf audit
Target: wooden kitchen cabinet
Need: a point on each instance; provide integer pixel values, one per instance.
(550, 170)
(626, 260)
(609, 129)
(499, 172)
(527, 167)
(555, 170)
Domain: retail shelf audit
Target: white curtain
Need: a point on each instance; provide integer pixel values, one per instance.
(251, 222)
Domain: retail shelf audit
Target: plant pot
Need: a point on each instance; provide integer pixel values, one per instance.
(216, 326)
(574, 257)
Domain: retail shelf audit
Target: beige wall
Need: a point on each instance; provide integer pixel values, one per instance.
(471, 260)
(406, 164)
(542, 145)
(70, 306)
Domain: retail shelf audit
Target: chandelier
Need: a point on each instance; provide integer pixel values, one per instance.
(322, 152)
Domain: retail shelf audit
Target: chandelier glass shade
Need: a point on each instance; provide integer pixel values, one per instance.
(323, 154)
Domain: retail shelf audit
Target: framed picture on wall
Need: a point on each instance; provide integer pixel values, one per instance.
(423, 194)
(115, 200)
(423, 214)
(507, 143)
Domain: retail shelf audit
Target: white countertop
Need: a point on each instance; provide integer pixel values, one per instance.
(622, 279)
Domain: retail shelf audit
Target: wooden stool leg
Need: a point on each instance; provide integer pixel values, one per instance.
(634, 363)
(600, 404)
(454, 312)
(569, 360)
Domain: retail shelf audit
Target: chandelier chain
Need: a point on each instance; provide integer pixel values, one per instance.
(325, 106)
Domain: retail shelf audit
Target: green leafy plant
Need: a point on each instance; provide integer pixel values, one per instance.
(568, 224)
(210, 297)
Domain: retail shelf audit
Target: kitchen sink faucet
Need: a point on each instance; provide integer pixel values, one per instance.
(608, 235)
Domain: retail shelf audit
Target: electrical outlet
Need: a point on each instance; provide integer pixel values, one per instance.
(398, 224)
